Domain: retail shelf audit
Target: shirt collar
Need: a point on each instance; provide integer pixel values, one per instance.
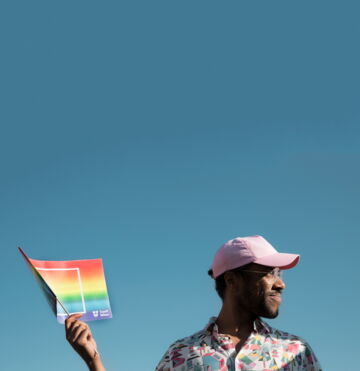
(259, 327)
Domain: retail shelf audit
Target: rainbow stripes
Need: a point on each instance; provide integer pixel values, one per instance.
(79, 285)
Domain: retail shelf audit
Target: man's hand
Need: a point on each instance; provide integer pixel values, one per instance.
(78, 334)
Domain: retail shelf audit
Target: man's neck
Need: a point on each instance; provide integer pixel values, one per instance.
(235, 322)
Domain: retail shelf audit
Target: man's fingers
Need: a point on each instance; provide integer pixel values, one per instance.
(72, 318)
(73, 330)
(74, 324)
(83, 336)
(79, 336)
(74, 327)
(70, 330)
(77, 331)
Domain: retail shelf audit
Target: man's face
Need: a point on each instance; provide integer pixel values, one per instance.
(260, 293)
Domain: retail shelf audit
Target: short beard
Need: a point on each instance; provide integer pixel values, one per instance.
(266, 312)
(260, 308)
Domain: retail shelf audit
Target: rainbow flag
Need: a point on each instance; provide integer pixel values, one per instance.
(73, 286)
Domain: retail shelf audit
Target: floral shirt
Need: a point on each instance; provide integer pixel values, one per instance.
(266, 349)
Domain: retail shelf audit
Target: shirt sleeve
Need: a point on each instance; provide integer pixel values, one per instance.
(308, 360)
(164, 364)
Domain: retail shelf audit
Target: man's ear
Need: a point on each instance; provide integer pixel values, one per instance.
(232, 281)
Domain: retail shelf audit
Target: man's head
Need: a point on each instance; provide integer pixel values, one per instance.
(247, 273)
(254, 288)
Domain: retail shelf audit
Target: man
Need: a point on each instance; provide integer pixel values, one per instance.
(247, 273)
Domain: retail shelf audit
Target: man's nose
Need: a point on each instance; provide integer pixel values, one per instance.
(279, 284)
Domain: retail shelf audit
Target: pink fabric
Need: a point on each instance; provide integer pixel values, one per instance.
(254, 249)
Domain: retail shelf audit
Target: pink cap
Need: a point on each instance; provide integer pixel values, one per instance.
(254, 249)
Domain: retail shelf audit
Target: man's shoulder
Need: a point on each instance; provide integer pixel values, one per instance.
(285, 335)
(289, 341)
(296, 345)
(183, 349)
(193, 340)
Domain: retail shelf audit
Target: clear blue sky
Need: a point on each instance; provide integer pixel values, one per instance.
(150, 132)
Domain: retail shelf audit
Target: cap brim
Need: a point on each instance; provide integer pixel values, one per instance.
(280, 260)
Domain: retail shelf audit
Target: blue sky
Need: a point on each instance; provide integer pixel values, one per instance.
(149, 133)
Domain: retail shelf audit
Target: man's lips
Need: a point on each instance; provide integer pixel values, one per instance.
(276, 297)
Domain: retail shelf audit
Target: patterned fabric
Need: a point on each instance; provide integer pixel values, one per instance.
(266, 349)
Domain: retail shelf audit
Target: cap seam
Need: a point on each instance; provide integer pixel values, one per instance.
(248, 249)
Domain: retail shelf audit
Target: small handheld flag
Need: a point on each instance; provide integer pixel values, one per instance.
(73, 286)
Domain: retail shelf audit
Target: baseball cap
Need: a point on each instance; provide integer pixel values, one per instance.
(253, 249)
